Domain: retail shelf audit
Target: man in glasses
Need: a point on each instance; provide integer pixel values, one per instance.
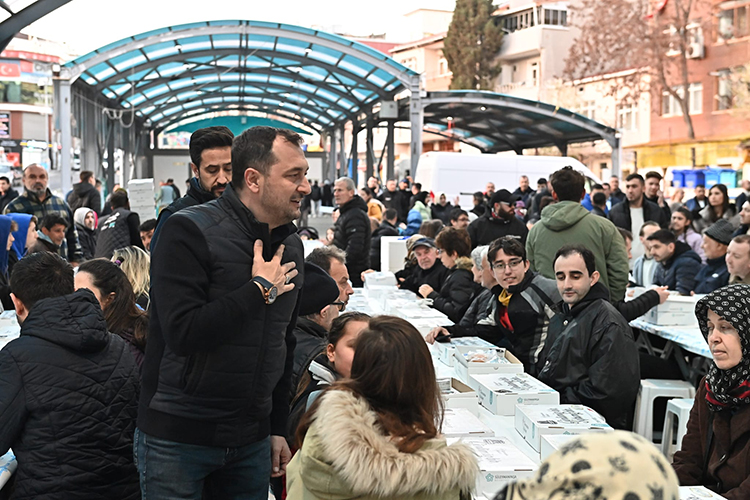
(499, 221)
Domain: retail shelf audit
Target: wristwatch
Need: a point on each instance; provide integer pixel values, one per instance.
(269, 290)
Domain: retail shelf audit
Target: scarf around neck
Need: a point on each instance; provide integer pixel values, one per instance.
(728, 388)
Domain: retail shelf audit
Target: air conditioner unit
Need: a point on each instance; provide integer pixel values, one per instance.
(695, 50)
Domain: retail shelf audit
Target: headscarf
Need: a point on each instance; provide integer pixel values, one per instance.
(23, 221)
(728, 388)
(5, 223)
(79, 216)
(616, 465)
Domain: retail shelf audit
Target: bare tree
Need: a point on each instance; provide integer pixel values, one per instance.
(639, 38)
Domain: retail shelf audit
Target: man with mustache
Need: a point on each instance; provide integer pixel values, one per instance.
(38, 200)
(211, 163)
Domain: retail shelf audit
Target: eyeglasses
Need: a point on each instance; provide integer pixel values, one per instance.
(500, 266)
(340, 303)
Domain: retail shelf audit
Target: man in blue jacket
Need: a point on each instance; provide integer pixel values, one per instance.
(678, 264)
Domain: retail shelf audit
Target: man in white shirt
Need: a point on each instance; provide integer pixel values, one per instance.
(644, 267)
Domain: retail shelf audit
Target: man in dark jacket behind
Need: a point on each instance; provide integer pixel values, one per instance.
(352, 230)
(590, 356)
(678, 263)
(387, 228)
(714, 273)
(224, 299)
(68, 391)
(211, 164)
(7, 193)
(429, 269)
(120, 229)
(499, 220)
(85, 194)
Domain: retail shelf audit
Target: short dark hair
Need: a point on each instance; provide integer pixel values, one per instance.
(585, 253)
(368, 191)
(170, 181)
(646, 224)
(119, 199)
(664, 236)
(458, 212)
(149, 225)
(209, 138)
(510, 245)
(85, 175)
(322, 256)
(568, 184)
(3, 178)
(597, 186)
(478, 195)
(635, 176)
(605, 184)
(390, 214)
(700, 186)
(541, 180)
(626, 235)
(654, 175)
(253, 148)
(454, 241)
(418, 185)
(599, 199)
(742, 238)
(40, 276)
(53, 220)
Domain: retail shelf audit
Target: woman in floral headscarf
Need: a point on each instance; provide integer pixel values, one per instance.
(716, 449)
(600, 466)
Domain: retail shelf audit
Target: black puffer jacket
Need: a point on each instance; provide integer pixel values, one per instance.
(679, 272)
(457, 292)
(311, 341)
(69, 396)
(219, 360)
(434, 276)
(353, 234)
(195, 195)
(590, 357)
(441, 212)
(488, 228)
(87, 239)
(85, 195)
(385, 229)
(620, 215)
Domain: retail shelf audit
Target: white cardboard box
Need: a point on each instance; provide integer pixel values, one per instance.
(500, 462)
(446, 349)
(460, 422)
(698, 493)
(501, 392)
(552, 442)
(532, 421)
(676, 311)
(392, 253)
(461, 395)
(506, 363)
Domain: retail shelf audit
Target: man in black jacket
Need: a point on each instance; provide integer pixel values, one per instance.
(500, 220)
(68, 391)
(224, 301)
(352, 232)
(428, 271)
(120, 229)
(85, 194)
(631, 214)
(211, 163)
(387, 228)
(678, 263)
(7, 193)
(590, 356)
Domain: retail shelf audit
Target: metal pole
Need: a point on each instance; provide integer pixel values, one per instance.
(416, 118)
(616, 157)
(342, 153)
(390, 145)
(354, 154)
(111, 156)
(370, 156)
(332, 155)
(66, 136)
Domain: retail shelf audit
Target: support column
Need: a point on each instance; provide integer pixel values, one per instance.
(343, 170)
(354, 153)
(370, 151)
(66, 136)
(126, 152)
(110, 156)
(332, 173)
(416, 118)
(390, 145)
(616, 156)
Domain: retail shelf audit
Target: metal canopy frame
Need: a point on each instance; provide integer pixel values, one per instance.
(26, 16)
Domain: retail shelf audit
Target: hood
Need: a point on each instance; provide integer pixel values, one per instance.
(82, 189)
(23, 221)
(356, 202)
(563, 214)
(464, 263)
(79, 216)
(358, 460)
(311, 328)
(196, 191)
(73, 321)
(683, 250)
(44, 237)
(5, 223)
(322, 370)
(598, 291)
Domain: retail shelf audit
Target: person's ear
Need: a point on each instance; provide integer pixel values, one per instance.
(595, 277)
(19, 306)
(252, 180)
(331, 352)
(194, 169)
(108, 299)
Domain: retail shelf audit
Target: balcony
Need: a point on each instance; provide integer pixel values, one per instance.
(524, 90)
(522, 43)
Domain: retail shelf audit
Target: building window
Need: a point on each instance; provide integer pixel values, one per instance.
(695, 102)
(588, 109)
(555, 17)
(443, 66)
(518, 21)
(724, 90)
(627, 117)
(733, 23)
(534, 73)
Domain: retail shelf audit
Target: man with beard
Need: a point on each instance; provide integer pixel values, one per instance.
(211, 163)
(38, 200)
(353, 232)
(500, 220)
(654, 194)
(225, 296)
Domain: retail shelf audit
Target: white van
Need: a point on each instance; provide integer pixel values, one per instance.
(457, 174)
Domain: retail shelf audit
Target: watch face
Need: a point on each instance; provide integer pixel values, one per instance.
(272, 293)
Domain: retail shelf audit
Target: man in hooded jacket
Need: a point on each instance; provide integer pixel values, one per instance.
(85, 194)
(678, 263)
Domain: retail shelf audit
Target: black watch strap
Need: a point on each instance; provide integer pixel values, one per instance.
(263, 282)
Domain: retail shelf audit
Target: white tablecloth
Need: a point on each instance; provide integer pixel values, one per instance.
(689, 338)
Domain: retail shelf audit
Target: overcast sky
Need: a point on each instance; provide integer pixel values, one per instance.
(90, 24)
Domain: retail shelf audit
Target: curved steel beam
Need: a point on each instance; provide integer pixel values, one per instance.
(192, 118)
(18, 21)
(185, 58)
(346, 47)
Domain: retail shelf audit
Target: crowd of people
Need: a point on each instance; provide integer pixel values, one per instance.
(198, 360)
